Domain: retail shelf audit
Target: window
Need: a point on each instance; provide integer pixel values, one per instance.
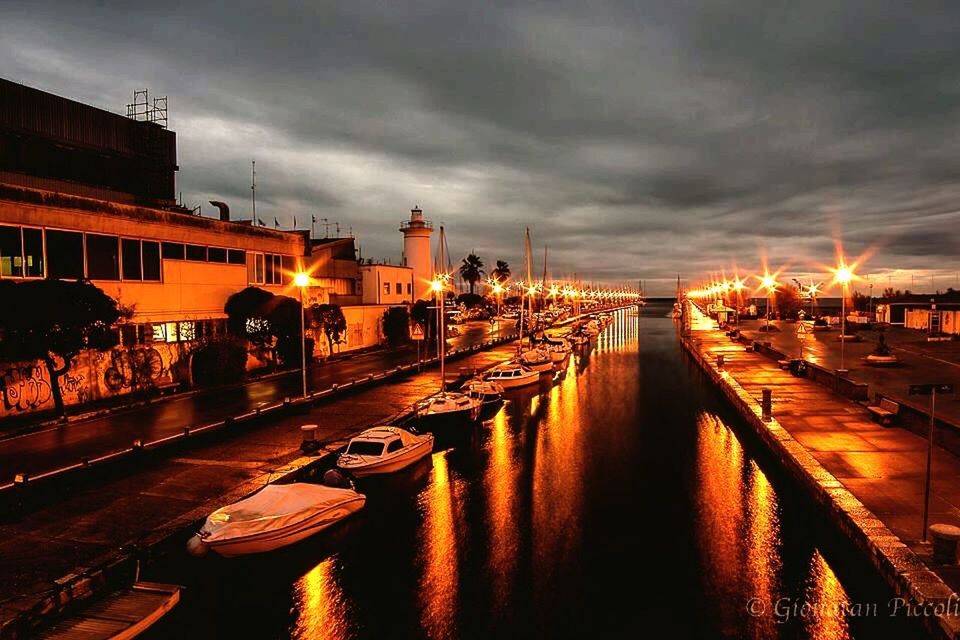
(103, 257)
(268, 277)
(32, 253)
(399, 289)
(130, 252)
(11, 258)
(196, 253)
(65, 254)
(396, 445)
(278, 277)
(409, 288)
(258, 278)
(236, 256)
(386, 288)
(151, 260)
(289, 267)
(361, 448)
(215, 254)
(170, 331)
(173, 251)
(160, 332)
(187, 331)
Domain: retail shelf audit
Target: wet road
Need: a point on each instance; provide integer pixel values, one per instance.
(617, 501)
(56, 447)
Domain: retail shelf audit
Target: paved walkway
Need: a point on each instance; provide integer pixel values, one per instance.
(56, 447)
(921, 362)
(883, 467)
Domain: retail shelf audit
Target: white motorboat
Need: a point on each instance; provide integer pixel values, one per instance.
(512, 376)
(536, 359)
(592, 329)
(558, 350)
(276, 516)
(384, 450)
(446, 409)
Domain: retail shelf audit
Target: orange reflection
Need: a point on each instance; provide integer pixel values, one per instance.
(501, 488)
(828, 602)
(438, 586)
(320, 603)
(739, 526)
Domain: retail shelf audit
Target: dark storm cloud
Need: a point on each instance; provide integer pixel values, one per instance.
(637, 139)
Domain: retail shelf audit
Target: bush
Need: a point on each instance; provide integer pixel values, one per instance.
(471, 300)
(290, 352)
(396, 325)
(219, 362)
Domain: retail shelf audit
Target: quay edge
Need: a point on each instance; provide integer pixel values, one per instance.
(899, 567)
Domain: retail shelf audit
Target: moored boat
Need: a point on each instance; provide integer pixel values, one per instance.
(384, 449)
(276, 516)
(512, 376)
(536, 359)
(447, 409)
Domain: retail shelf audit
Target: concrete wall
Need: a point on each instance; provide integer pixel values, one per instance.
(375, 276)
(364, 330)
(26, 387)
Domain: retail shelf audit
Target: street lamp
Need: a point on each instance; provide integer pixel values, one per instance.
(843, 274)
(769, 282)
(302, 281)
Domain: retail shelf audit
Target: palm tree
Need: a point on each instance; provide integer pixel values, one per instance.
(471, 270)
(501, 272)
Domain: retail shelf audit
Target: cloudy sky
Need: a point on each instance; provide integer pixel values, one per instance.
(637, 139)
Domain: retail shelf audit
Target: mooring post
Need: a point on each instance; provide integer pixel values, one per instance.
(766, 404)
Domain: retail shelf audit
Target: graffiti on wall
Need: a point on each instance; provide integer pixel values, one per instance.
(25, 388)
(133, 369)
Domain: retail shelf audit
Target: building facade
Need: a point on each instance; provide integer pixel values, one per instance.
(387, 284)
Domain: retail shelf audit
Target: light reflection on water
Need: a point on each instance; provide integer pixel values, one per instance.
(617, 491)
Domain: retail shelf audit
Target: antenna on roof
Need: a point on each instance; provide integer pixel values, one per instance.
(253, 186)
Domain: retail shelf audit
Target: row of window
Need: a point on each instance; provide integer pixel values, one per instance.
(268, 268)
(399, 288)
(182, 331)
(27, 252)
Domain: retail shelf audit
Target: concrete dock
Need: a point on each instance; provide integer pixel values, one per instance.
(870, 479)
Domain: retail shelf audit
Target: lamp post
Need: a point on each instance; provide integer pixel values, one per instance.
(302, 281)
(769, 283)
(843, 275)
(498, 292)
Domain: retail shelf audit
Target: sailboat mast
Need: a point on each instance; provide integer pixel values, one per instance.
(440, 324)
(528, 250)
(543, 282)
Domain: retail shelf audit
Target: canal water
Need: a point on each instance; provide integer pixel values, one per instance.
(623, 498)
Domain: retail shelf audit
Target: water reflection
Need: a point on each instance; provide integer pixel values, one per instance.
(828, 601)
(438, 586)
(322, 610)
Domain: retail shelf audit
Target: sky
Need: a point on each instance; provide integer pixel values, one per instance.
(638, 139)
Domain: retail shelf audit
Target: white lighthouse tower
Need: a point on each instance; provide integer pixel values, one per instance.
(416, 251)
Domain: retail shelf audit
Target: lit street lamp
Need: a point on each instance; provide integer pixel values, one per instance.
(769, 282)
(843, 275)
(302, 280)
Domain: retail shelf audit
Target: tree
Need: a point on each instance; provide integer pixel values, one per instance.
(396, 325)
(471, 300)
(471, 270)
(860, 301)
(788, 301)
(53, 321)
(330, 319)
(246, 314)
(424, 313)
(501, 273)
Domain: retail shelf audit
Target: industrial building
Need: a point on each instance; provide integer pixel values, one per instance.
(89, 194)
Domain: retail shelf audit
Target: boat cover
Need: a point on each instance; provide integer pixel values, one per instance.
(273, 508)
(406, 437)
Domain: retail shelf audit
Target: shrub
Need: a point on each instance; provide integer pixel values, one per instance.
(219, 362)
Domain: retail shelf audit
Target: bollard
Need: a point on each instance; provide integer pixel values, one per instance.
(719, 361)
(308, 443)
(766, 404)
(945, 539)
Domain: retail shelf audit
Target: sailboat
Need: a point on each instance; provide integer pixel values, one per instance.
(534, 358)
(445, 409)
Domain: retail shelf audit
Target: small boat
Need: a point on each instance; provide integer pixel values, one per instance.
(487, 392)
(536, 359)
(121, 615)
(578, 340)
(512, 376)
(592, 329)
(446, 409)
(276, 516)
(384, 450)
(882, 360)
(558, 350)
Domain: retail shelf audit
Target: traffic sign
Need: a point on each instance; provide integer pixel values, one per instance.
(928, 389)
(801, 331)
(416, 331)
